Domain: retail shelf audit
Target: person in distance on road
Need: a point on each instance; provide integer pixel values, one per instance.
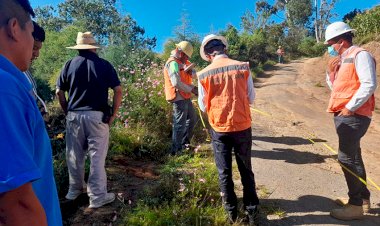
(280, 53)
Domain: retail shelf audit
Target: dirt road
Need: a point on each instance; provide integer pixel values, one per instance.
(299, 177)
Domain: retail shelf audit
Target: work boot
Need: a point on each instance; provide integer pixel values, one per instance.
(348, 212)
(344, 201)
(252, 215)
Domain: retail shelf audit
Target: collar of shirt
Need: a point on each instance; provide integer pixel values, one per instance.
(87, 54)
(9, 67)
(345, 53)
(220, 56)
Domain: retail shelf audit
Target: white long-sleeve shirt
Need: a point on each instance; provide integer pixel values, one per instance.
(366, 70)
(202, 92)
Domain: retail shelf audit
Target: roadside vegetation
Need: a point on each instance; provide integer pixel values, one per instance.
(187, 192)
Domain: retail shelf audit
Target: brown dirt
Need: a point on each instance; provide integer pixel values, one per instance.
(127, 178)
(303, 178)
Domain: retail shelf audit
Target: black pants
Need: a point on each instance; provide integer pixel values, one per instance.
(241, 142)
(350, 130)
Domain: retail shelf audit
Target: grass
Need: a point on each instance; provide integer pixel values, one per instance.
(187, 193)
(319, 84)
(273, 209)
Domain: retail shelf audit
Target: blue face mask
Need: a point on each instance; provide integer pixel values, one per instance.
(332, 51)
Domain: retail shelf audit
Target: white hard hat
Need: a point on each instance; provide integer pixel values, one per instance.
(185, 47)
(209, 38)
(335, 29)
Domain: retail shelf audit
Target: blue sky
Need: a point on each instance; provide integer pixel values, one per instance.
(160, 17)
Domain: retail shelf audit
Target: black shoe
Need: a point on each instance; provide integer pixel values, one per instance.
(252, 216)
(232, 216)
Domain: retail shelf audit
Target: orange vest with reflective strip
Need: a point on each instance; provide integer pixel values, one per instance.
(226, 97)
(346, 84)
(170, 90)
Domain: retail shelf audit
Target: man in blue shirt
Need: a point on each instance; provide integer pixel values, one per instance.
(28, 194)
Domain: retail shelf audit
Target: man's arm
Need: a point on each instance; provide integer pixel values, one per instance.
(21, 207)
(201, 95)
(117, 97)
(62, 99)
(251, 89)
(175, 79)
(366, 70)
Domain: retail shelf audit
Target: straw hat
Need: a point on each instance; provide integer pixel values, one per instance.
(85, 41)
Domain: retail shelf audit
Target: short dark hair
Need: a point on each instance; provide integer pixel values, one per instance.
(19, 9)
(348, 36)
(38, 33)
(214, 47)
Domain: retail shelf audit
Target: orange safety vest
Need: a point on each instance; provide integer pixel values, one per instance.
(170, 90)
(226, 97)
(346, 84)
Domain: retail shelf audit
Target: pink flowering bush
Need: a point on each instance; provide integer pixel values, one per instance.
(144, 121)
(144, 113)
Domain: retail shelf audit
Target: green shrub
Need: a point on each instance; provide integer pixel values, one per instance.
(367, 25)
(310, 48)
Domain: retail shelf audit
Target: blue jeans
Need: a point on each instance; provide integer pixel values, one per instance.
(184, 119)
(350, 130)
(280, 59)
(241, 142)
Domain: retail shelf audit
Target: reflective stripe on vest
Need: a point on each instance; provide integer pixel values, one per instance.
(346, 84)
(226, 97)
(170, 90)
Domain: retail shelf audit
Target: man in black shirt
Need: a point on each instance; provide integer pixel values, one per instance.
(87, 79)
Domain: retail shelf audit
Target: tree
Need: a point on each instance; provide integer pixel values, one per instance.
(323, 18)
(99, 16)
(184, 32)
(233, 38)
(298, 12)
(351, 15)
(45, 17)
(124, 41)
(54, 54)
(263, 12)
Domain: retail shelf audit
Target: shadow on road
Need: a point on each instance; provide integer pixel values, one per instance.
(290, 156)
(309, 210)
(286, 140)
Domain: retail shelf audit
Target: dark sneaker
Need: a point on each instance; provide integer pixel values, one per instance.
(252, 216)
(232, 216)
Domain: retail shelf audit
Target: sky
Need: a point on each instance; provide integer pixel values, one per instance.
(159, 17)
